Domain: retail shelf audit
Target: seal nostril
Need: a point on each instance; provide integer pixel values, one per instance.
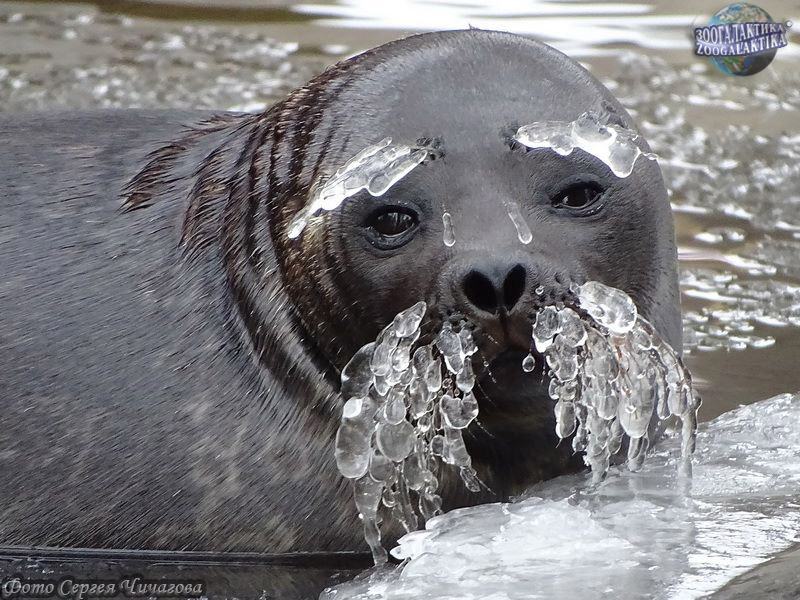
(480, 291)
(514, 286)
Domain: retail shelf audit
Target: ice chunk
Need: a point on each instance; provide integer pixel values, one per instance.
(612, 144)
(353, 441)
(407, 322)
(610, 307)
(395, 440)
(376, 168)
(545, 327)
(449, 344)
(566, 539)
(459, 412)
(357, 375)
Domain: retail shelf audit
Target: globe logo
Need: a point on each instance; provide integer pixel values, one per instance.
(741, 39)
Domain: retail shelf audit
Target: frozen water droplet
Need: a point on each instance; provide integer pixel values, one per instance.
(449, 236)
(407, 322)
(381, 362)
(523, 231)
(357, 375)
(421, 359)
(470, 479)
(528, 363)
(565, 419)
(380, 467)
(430, 505)
(465, 380)
(419, 398)
(459, 412)
(382, 385)
(413, 473)
(437, 445)
(395, 409)
(367, 495)
(449, 345)
(395, 441)
(352, 445)
(433, 376)
(455, 452)
(468, 346)
(352, 408)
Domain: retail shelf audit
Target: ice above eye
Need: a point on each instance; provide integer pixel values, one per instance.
(614, 145)
(406, 405)
(375, 169)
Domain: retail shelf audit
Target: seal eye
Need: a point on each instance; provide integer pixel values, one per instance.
(578, 197)
(390, 223)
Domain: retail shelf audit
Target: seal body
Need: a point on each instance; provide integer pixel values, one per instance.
(169, 357)
(135, 411)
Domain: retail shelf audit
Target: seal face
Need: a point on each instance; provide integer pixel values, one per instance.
(229, 333)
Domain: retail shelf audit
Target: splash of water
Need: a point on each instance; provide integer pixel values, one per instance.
(375, 169)
(614, 145)
(406, 407)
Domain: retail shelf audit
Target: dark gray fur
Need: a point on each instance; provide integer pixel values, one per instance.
(169, 359)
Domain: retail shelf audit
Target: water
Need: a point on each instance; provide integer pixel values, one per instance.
(729, 149)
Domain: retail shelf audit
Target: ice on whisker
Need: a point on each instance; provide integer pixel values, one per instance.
(407, 404)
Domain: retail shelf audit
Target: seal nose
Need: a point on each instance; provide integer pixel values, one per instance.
(493, 288)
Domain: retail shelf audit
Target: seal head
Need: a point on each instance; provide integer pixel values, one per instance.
(467, 92)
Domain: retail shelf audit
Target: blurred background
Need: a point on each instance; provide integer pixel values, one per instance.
(729, 146)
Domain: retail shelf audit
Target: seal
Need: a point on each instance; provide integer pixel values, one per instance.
(170, 356)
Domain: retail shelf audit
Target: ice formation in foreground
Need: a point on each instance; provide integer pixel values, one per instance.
(609, 372)
(375, 169)
(614, 145)
(635, 535)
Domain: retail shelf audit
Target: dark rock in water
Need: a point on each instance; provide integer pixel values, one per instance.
(776, 579)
